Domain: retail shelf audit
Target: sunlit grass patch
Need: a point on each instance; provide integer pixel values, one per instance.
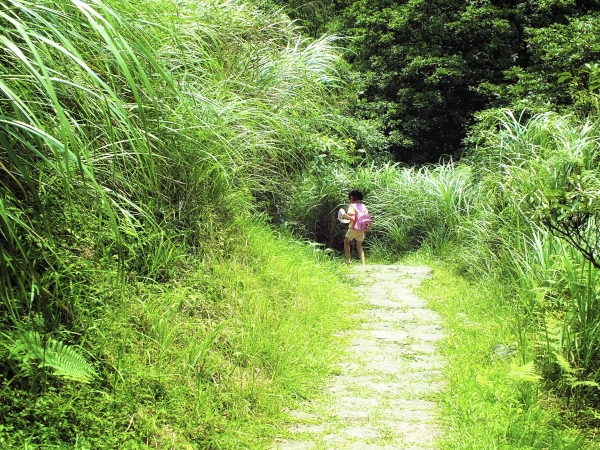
(494, 399)
(228, 348)
(212, 359)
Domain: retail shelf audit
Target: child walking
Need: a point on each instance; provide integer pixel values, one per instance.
(355, 196)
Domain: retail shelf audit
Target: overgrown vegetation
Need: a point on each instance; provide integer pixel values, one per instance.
(428, 67)
(147, 146)
(136, 139)
(520, 212)
(209, 361)
(494, 399)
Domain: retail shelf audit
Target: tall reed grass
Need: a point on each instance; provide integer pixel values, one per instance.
(411, 207)
(132, 135)
(132, 130)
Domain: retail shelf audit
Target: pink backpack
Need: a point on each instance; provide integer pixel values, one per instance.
(362, 220)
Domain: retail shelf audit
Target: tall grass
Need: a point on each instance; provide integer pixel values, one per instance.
(528, 164)
(498, 215)
(129, 141)
(132, 135)
(208, 363)
(493, 400)
(411, 207)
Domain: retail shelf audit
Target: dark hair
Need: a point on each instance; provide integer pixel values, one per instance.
(356, 194)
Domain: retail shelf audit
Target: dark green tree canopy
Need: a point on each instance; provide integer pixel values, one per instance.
(423, 62)
(428, 66)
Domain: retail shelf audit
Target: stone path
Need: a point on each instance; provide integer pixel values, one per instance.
(384, 396)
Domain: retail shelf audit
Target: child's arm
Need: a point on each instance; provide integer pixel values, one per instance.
(350, 214)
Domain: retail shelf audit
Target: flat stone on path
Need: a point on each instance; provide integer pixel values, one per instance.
(384, 396)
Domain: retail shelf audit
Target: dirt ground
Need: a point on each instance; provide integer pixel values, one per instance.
(384, 396)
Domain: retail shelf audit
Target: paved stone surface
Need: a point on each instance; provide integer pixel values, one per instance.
(383, 398)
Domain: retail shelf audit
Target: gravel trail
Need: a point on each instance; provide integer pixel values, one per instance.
(384, 395)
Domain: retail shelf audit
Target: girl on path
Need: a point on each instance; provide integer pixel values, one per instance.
(355, 196)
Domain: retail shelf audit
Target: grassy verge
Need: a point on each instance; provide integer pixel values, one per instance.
(493, 401)
(210, 361)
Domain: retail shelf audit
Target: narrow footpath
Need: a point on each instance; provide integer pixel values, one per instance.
(384, 395)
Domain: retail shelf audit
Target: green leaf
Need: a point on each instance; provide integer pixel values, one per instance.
(564, 76)
(524, 373)
(64, 359)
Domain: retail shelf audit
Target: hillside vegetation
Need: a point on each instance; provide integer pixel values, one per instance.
(142, 303)
(169, 175)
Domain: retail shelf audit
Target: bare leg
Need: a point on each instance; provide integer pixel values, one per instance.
(361, 252)
(347, 250)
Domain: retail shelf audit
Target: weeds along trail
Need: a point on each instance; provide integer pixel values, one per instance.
(384, 394)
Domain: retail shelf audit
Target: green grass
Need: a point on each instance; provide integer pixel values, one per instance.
(210, 361)
(128, 128)
(521, 211)
(134, 136)
(494, 402)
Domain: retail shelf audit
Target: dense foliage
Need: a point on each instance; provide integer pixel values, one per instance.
(522, 214)
(122, 139)
(138, 139)
(132, 136)
(429, 66)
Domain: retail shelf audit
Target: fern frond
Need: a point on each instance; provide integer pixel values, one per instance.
(524, 373)
(64, 359)
(564, 364)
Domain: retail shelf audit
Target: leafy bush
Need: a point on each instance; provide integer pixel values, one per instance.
(540, 176)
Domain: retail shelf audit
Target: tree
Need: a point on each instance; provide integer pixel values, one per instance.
(430, 65)
(563, 71)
